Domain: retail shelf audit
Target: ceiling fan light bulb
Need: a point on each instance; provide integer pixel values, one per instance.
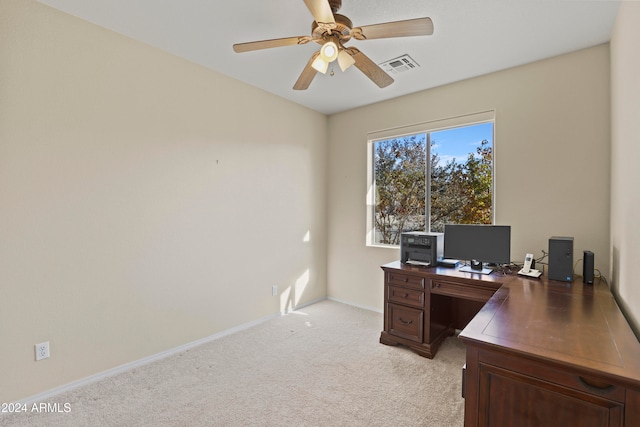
(329, 51)
(345, 60)
(320, 65)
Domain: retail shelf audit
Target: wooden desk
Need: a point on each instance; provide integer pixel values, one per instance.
(539, 352)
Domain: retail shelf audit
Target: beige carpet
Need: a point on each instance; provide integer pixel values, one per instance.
(319, 366)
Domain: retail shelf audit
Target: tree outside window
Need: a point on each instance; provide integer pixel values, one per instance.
(458, 177)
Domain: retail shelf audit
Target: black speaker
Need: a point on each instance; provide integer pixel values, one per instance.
(587, 267)
(561, 258)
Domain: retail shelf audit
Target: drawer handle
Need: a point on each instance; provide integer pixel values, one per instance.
(596, 385)
(405, 295)
(405, 322)
(406, 279)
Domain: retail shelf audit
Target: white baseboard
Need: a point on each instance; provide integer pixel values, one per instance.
(365, 307)
(305, 304)
(49, 394)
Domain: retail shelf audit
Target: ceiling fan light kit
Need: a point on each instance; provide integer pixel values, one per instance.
(332, 31)
(345, 60)
(329, 51)
(320, 65)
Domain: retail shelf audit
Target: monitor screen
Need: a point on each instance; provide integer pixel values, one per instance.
(476, 242)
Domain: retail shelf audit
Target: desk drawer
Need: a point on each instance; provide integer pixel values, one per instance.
(474, 292)
(553, 378)
(406, 280)
(405, 322)
(406, 296)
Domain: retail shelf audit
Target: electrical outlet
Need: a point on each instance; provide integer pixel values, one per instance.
(274, 290)
(42, 350)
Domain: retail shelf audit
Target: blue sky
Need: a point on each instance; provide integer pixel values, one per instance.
(459, 142)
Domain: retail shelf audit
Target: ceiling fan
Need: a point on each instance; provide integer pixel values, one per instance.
(332, 31)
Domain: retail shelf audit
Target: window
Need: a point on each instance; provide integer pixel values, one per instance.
(407, 192)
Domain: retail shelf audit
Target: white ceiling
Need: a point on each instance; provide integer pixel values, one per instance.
(471, 38)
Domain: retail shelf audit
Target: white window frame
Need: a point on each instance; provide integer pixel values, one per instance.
(426, 127)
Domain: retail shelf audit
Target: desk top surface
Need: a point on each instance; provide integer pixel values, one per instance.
(567, 323)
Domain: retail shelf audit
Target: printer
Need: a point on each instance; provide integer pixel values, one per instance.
(421, 248)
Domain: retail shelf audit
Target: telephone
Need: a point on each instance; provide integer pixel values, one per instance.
(528, 258)
(527, 270)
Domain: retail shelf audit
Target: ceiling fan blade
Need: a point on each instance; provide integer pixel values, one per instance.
(307, 74)
(410, 27)
(322, 14)
(370, 68)
(266, 44)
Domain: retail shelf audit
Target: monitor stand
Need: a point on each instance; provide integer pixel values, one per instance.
(476, 267)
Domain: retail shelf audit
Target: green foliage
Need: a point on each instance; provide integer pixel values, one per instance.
(400, 176)
(461, 193)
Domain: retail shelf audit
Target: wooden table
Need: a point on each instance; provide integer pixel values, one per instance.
(539, 352)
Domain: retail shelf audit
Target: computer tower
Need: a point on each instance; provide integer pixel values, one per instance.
(561, 258)
(588, 267)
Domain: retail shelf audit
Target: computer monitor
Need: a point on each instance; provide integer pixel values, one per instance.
(478, 243)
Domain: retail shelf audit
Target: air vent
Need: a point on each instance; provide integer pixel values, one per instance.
(399, 65)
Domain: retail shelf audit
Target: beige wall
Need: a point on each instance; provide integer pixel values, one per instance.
(625, 159)
(144, 203)
(552, 142)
